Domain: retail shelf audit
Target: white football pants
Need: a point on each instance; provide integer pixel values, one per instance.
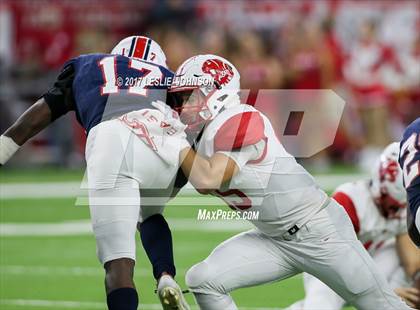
(119, 164)
(325, 247)
(319, 296)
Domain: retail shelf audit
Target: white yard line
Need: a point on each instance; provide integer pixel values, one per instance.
(72, 271)
(66, 304)
(40, 190)
(68, 228)
(79, 189)
(55, 304)
(83, 227)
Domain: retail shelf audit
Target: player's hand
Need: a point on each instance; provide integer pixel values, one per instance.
(410, 295)
(171, 117)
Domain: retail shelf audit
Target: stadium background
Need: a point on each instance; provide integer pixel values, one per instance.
(366, 51)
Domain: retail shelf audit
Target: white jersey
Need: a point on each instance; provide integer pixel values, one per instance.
(272, 182)
(372, 228)
(164, 135)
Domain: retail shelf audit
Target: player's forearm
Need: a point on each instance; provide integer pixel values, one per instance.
(32, 121)
(197, 169)
(409, 255)
(202, 173)
(36, 118)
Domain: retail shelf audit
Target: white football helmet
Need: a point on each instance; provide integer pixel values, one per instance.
(216, 80)
(142, 48)
(387, 183)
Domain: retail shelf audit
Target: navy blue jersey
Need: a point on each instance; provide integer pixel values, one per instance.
(100, 87)
(410, 163)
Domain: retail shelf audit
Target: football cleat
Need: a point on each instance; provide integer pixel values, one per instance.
(170, 294)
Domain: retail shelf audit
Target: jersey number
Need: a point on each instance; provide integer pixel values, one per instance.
(411, 167)
(235, 199)
(108, 66)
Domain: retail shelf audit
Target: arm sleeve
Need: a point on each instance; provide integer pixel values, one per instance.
(60, 97)
(246, 153)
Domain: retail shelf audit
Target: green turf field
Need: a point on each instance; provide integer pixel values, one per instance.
(42, 270)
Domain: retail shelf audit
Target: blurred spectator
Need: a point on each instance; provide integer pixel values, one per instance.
(259, 69)
(177, 46)
(363, 72)
(307, 64)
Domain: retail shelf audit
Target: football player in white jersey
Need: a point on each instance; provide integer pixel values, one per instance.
(299, 229)
(377, 209)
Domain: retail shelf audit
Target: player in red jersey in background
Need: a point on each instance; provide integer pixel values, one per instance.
(377, 209)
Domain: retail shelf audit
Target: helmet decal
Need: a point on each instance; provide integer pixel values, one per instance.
(221, 72)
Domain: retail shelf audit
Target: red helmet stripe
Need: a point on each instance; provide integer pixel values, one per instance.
(140, 48)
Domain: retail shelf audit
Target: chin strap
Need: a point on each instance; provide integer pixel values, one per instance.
(8, 147)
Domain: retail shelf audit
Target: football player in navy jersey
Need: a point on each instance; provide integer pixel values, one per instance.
(132, 151)
(410, 163)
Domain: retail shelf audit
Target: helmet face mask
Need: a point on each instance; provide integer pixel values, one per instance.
(192, 109)
(389, 207)
(212, 82)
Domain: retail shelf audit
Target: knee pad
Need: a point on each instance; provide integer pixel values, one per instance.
(196, 275)
(115, 240)
(199, 278)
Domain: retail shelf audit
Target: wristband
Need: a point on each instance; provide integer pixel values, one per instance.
(8, 147)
